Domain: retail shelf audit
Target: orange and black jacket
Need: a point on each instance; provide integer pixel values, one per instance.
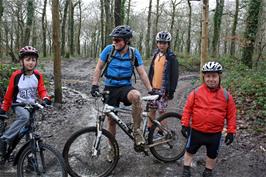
(171, 71)
(206, 110)
(20, 89)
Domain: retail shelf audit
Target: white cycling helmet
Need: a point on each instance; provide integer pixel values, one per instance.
(212, 66)
(163, 36)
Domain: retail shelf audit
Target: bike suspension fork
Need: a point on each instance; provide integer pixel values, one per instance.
(99, 127)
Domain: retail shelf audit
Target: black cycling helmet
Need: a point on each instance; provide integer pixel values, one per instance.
(123, 31)
(212, 66)
(28, 50)
(163, 36)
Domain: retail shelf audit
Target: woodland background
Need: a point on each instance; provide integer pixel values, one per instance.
(78, 29)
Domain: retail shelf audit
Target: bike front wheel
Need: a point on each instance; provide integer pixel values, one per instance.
(82, 158)
(43, 161)
(167, 143)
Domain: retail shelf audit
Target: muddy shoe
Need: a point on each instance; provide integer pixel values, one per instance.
(138, 138)
(207, 173)
(186, 173)
(3, 145)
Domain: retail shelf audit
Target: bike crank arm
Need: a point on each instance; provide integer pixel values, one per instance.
(160, 142)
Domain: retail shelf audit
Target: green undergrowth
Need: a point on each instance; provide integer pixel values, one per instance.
(249, 89)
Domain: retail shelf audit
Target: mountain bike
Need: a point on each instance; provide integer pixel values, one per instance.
(86, 151)
(34, 157)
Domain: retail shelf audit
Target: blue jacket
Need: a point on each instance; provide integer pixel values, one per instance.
(119, 67)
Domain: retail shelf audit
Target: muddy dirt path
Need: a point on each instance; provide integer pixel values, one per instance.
(246, 157)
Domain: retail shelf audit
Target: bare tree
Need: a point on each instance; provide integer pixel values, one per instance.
(204, 34)
(155, 26)
(128, 11)
(217, 19)
(233, 33)
(117, 13)
(1, 15)
(251, 31)
(147, 42)
(102, 23)
(108, 21)
(44, 26)
(63, 38)
(189, 27)
(174, 4)
(79, 28)
(56, 51)
(30, 16)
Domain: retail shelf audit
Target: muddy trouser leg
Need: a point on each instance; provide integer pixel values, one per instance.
(136, 115)
(22, 118)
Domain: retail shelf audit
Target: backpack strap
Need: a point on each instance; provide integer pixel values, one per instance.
(111, 55)
(132, 56)
(108, 60)
(226, 95)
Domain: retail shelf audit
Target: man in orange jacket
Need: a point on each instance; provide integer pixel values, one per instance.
(205, 112)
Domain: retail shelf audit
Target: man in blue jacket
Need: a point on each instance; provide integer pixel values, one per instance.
(118, 73)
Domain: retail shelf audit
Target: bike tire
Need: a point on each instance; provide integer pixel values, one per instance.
(175, 148)
(45, 162)
(78, 157)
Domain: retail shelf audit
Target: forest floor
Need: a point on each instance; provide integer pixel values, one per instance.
(246, 157)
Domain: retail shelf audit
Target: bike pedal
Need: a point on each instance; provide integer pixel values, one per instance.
(146, 153)
(139, 148)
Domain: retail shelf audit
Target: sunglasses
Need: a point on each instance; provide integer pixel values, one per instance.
(162, 42)
(117, 40)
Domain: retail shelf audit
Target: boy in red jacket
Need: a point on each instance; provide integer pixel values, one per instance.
(205, 112)
(24, 86)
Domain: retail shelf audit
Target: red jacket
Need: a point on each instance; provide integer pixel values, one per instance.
(207, 110)
(23, 87)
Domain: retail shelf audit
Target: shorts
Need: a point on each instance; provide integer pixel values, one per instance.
(117, 95)
(211, 140)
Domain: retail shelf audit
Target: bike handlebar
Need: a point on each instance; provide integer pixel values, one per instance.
(34, 105)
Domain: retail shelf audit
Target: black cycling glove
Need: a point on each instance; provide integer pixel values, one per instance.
(95, 90)
(185, 131)
(229, 138)
(47, 101)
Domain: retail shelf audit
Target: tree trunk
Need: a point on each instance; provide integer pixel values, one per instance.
(117, 12)
(233, 34)
(128, 11)
(44, 26)
(155, 27)
(217, 19)
(204, 35)
(108, 22)
(63, 38)
(79, 29)
(71, 28)
(123, 9)
(1, 25)
(251, 31)
(56, 51)
(102, 24)
(147, 42)
(189, 27)
(30, 16)
(34, 33)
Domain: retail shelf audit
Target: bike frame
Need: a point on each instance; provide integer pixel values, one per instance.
(32, 139)
(109, 111)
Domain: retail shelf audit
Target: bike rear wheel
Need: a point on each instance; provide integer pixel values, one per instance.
(45, 162)
(174, 146)
(78, 153)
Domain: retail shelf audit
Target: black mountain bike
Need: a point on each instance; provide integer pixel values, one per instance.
(34, 158)
(86, 151)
